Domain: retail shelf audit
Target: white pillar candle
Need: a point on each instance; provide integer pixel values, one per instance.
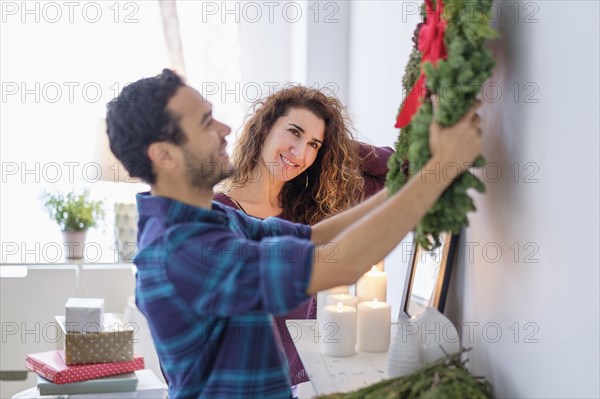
(338, 333)
(345, 299)
(322, 297)
(373, 284)
(374, 323)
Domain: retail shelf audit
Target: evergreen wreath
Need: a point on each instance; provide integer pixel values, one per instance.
(455, 73)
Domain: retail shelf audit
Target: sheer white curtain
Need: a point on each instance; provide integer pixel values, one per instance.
(212, 55)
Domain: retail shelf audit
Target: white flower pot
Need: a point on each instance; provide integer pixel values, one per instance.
(74, 242)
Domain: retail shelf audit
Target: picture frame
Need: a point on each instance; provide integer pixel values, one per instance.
(428, 277)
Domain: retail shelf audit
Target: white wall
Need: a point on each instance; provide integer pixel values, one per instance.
(380, 43)
(307, 43)
(553, 220)
(557, 215)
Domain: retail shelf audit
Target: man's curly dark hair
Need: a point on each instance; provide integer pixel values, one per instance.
(139, 117)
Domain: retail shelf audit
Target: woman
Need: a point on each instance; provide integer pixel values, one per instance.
(297, 160)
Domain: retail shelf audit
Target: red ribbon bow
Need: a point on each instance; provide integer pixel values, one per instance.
(431, 46)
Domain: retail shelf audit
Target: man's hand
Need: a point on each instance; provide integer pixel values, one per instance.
(459, 144)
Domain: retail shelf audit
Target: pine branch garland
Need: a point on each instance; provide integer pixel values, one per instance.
(447, 378)
(456, 82)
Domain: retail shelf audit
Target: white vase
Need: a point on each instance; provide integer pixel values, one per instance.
(437, 335)
(74, 242)
(404, 355)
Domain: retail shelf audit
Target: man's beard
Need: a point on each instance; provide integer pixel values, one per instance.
(205, 173)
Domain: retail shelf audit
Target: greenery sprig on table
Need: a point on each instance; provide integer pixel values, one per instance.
(455, 81)
(447, 378)
(73, 211)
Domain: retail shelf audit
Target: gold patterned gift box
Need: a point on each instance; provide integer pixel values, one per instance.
(113, 344)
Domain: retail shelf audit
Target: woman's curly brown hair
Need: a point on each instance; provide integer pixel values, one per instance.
(334, 179)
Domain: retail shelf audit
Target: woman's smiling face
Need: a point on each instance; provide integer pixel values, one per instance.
(292, 144)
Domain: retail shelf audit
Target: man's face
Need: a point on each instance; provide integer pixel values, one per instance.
(204, 153)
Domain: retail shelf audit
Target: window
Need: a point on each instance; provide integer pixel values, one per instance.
(60, 63)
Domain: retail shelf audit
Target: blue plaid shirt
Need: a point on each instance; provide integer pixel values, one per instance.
(208, 282)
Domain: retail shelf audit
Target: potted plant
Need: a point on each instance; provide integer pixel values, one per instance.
(74, 213)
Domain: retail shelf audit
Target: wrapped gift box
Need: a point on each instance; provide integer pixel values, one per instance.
(52, 367)
(84, 314)
(113, 344)
(116, 383)
(148, 387)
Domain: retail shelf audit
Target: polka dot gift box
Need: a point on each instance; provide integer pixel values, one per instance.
(113, 344)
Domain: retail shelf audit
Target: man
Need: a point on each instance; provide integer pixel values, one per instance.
(209, 278)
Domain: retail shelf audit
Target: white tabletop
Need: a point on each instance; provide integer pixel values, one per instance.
(336, 374)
